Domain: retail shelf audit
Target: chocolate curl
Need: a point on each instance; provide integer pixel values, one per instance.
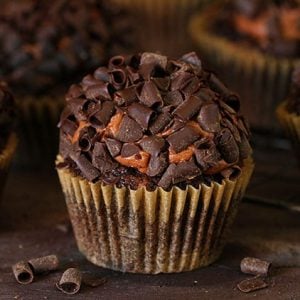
(118, 77)
(252, 284)
(23, 272)
(116, 62)
(70, 281)
(44, 264)
(93, 281)
(102, 74)
(255, 266)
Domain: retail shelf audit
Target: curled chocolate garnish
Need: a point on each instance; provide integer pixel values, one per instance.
(255, 266)
(44, 264)
(252, 284)
(140, 113)
(70, 281)
(23, 272)
(158, 123)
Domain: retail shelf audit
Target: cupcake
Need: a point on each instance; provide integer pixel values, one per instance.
(154, 157)
(288, 113)
(45, 45)
(258, 44)
(8, 140)
(164, 23)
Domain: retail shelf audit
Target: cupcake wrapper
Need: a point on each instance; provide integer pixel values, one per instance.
(6, 158)
(291, 124)
(38, 119)
(261, 80)
(164, 24)
(152, 232)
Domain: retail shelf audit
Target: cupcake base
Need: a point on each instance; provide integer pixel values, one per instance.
(152, 232)
(291, 124)
(6, 158)
(38, 119)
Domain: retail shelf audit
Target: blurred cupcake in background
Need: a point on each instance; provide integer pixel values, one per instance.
(288, 113)
(45, 45)
(258, 44)
(163, 23)
(8, 139)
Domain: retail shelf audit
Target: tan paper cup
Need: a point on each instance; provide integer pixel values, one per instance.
(290, 122)
(6, 157)
(261, 80)
(152, 232)
(38, 119)
(163, 24)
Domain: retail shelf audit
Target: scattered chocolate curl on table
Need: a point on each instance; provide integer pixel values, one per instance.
(44, 264)
(23, 272)
(255, 266)
(252, 284)
(70, 281)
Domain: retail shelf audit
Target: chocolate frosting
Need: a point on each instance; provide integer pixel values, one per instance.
(293, 100)
(153, 121)
(43, 43)
(270, 25)
(7, 114)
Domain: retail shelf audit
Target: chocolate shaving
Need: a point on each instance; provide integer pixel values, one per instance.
(228, 146)
(140, 113)
(154, 59)
(255, 266)
(105, 113)
(101, 159)
(114, 147)
(152, 144)
(150, 94)
(160, 122)
(93, 281)
(70, 281)
(23, 272)
(157, 164)
(44, 264)
(129, 130)
(129, 150)
(188, 108)
(209, 118)
(118, 78)
(126, 96)
(252, 284)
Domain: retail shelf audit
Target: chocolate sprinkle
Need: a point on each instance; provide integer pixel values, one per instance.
(154, 122)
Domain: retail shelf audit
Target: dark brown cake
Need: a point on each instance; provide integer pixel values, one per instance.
(44, 44)
(270, 25)
(7, 114)
(147, 120)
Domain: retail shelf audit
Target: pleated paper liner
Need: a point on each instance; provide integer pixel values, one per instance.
(152, 232)
(6, 157)
(261, 80)
(290, 122)
(163, 24)
(38, 119)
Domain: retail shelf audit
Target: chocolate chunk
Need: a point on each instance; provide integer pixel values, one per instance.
(93, 281)
(44, 264)
(233, 129)
(101, 159)
(140, 113)
(160, 122)
(228, 146)
(207, 158)
(181, 139)
(126, 96)
(167, 178)
(102, 74)
(187, 109)
(118, 78)
(133, 76)
(191, 87)
(113, 146)
(209, 118)
(180, 80)
(129, 131)
(157, 164)
(154, 59)
(23, 272)
(173, 98)
(75, 91)
(105, 113)
(98, 91)
(206, 95)
(162, 83)
(252, 284)
(185, 171)
(129, 150)
(244, 147)
(85, 166)
(150, 94)
(70, 281)
(68, 127)
(192, 59)
(255, 266)
(231, 173)
(152, 144)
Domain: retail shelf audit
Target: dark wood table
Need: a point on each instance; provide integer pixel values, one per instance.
(34, 222)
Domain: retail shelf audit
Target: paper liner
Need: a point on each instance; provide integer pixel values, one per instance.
(290, 122)
(38, 119)
(261, 79)
(152, 232)
(6, 157)
(164, 24)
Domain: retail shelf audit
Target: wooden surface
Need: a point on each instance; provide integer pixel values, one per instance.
(33, 220)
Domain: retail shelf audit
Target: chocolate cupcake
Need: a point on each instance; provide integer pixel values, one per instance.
(45, 45)
(288, 113)
(8, 140)
(154, 158)
(258, 44)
